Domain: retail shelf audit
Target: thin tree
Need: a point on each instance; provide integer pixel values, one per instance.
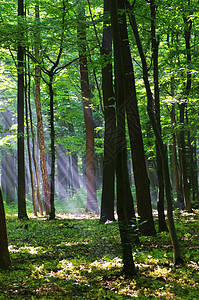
(92, 204)
(155, 46)
(150, 108)
(22, 214)
(46, 187)
(4, 253)
(123, 193)
(108, 177)
(142, 183)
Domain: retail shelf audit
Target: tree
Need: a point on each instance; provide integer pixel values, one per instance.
(123, 189)
(142, 183)
(20, 112)
(46, 187)
(108, 184)
(162, 148)
(86, 98)
(155, 46)
(4, 253)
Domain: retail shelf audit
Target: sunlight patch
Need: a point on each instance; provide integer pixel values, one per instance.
(103, 264)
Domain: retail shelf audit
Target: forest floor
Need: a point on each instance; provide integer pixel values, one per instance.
(75, 257)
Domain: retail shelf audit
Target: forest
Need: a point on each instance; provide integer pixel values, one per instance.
(99, 149)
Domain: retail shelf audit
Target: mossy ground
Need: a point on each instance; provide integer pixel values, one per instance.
(75, 257)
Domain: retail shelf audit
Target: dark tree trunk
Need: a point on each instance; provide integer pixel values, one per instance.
(183, 161)
(155, 45)
(4, 253)
(108, 183)
(92, 204)
(123, 188)
(27, 94)
(142, 183)
(22, 214)
(52, 147)
(195, 170)
(174, 239)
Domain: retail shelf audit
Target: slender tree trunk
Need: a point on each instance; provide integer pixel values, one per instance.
(155, 44)
(176, 246)
(52, 137)
(195, 170)
(92, 204)
(108, 177)
(22, 214)
(46, 188)
(123, 192)
(183, 161)
(4, 253)
(142, 183)
(28, 146)
(33, 154)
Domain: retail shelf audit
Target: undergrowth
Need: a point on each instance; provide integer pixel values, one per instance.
(75, 257)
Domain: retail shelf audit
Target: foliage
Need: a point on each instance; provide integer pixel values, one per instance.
(74, 257)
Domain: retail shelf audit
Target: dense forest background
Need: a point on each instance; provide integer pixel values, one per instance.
(54, 32)
(91, 91)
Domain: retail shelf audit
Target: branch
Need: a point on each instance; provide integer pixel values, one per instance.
(98, 41)
(66, 65)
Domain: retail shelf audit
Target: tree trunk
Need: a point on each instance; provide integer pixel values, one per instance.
(46, 188)
(33, 154)
(22, 214)
(108, 177)
(4, 253)
(29, 151)
(52, 146)
(123, 189)
(155, 44)
(195, 170)
(176, 246)
(183, 161)
(142, 183)
(92, 204)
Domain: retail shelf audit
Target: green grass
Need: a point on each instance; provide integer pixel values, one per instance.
(74, 257)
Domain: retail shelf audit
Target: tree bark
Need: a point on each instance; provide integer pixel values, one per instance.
(123, 189)
(33, 153)
(142, 183)
(22, 214)
(176, 246)
(52, 147)
(46, 188)
(108, 183)
(28, 146)
(183, 161)
(4, 253)
(92, 204)
(155, 45)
